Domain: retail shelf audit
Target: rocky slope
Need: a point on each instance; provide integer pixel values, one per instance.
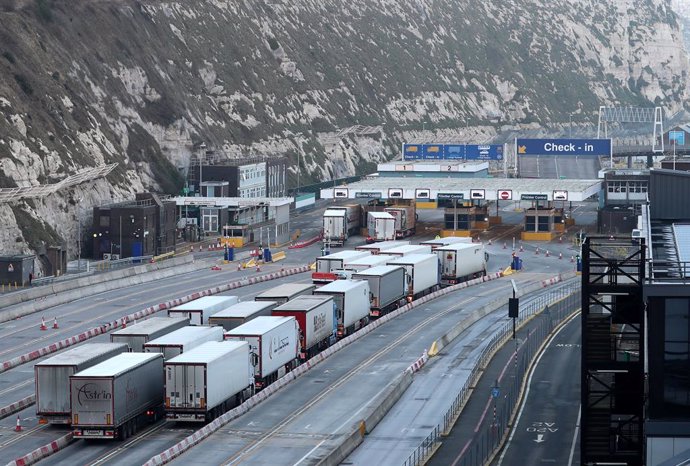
(142, 82)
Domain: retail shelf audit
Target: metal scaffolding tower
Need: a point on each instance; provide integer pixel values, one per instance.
(612, 371)
(652, 115)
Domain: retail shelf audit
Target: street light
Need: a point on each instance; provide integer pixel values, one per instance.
(202, 148)
(79, 234)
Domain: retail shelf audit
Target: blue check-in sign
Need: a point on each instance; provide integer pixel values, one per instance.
(563, 146)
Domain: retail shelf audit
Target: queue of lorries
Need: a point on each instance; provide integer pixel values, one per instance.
(209, 355)
(393, 222)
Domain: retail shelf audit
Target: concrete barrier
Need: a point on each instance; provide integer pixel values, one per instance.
(346, 446)
(17, 406)
(40, 298)
(379, 406)
(43, 452)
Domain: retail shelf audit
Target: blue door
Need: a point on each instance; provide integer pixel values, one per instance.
(137, 249)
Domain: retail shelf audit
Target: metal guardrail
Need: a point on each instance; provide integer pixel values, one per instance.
(562, 302)
(112, 264)
(668, 271)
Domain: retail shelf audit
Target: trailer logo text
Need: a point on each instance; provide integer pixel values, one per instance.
(277, 345)
(92, 392)
(319, 322)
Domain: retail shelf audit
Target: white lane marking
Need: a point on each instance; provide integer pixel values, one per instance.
(524, 399)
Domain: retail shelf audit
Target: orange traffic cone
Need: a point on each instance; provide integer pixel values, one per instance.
(522, 249)
(18, 426)
(504, 245)
(124, 322)
(258, 268)
(55, 324)
(209, 247)
(572, 258)
(489, 241)
(560, 255)
(43, 324)
(239, 266)
(547, 253)
(560, 239)
(536, 251)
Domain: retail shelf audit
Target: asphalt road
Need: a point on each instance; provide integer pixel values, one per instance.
(545, 429)
(23, 335)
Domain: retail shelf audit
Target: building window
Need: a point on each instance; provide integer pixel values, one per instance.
(676, 386)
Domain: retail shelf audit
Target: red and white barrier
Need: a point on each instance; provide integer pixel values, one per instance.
(304, 244)
(105, 328)
(43, 452)
(551, 281)
(17, 406)
(418, 364)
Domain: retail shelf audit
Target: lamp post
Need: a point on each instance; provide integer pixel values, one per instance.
(202, 157)
(79, 234)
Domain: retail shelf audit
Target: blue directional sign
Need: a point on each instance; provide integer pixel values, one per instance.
(677, 136)
(495, 392)
(412, 151)
(433, 151)
(564, 147)
(484, 152)
(454, 151)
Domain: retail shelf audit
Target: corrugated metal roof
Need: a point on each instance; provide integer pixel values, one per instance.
(681, 234)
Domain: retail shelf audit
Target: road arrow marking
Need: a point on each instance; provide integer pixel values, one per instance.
(540, 438)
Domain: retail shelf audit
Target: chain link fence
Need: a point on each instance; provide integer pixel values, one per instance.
(550, 309)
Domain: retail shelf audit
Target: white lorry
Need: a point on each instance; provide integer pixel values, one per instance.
(203, 383)
(461, 262)
(351, 299)
(181, 340)
(325, 265)
(380, 227)
(199, 310)
(422, 273)
(241, 313)
(273, 345)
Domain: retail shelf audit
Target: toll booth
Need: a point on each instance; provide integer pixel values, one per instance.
(540, 223)
(464, 220)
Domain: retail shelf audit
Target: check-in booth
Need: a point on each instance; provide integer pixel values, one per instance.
(540, 223)
(463, 218)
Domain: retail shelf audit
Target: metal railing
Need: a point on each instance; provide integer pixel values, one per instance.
(668, 271)
(560, 302)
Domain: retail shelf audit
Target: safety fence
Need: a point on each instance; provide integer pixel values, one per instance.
(551, 309)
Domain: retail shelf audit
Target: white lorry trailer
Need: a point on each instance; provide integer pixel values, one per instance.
(387, 288)
(273, 345)
(380, 227)
(401, 251)
(53, 404)
(199, 310)
(205, 382)
(422, 272)
(325, 265)
(440, 242)
(182, 340)
(376, 248)
(335, 230)
(354, 216)
(137, 335)
(405, 220)
(241, 313)
(315, 316)
(351, 299)
(111, 400)
(461, 262)
(284, 293)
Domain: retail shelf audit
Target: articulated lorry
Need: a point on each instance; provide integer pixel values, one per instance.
(405, 220)
(53, 404)
(199, 310)
(335, 230)
(387, 288)
(316, 319)
(461, 262)
(241, 313)
(325, 265)
(205, 382)
(113, 399)
(273, 346)
(380, 227)
(184, 339)
(422, 272)
(284, 293)
(351, 298)
(137, 335)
